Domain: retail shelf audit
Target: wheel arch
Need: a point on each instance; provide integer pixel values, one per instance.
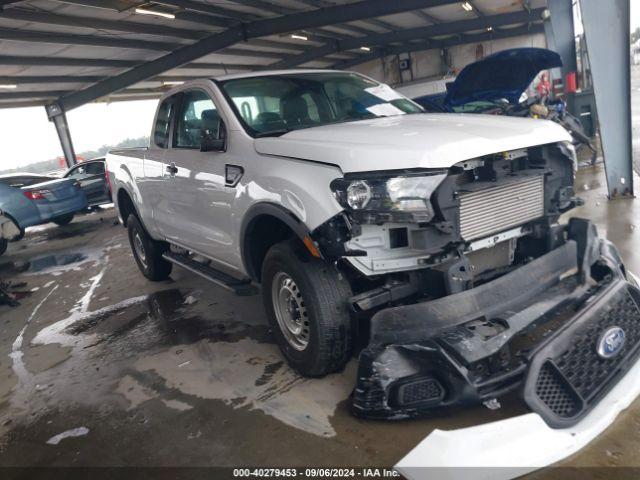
(264, 225)
(125, 205)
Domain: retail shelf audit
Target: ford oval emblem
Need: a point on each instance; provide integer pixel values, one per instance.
(611, 342)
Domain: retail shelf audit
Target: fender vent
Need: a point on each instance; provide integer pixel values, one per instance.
(492, 210)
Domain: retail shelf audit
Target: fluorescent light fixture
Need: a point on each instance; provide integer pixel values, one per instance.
(172, 82)
(157, 13)
(467, 6)
(366, 49)
(299, 36)
(8, 85)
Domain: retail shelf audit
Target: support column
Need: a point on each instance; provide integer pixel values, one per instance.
(563, 33)
(607, 32)
(556, 73)
(59, 119)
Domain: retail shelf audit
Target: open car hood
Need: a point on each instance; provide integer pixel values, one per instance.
(505, 74)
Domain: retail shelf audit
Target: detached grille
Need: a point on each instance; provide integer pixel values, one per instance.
(573, 376)
(493, 210)
(581, 365)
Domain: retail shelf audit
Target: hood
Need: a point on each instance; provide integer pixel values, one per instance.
(429, 140)
(505, 74)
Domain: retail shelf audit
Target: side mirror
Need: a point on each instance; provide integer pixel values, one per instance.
(213, 133)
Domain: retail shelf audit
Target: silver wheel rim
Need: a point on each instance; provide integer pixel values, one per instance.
(290, 311)
(139, 248)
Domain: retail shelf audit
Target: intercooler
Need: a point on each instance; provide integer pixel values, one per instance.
(492, 210)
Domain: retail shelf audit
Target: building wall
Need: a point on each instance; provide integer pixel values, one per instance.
(430, 64)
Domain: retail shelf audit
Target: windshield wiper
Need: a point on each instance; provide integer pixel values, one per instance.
(274, 133)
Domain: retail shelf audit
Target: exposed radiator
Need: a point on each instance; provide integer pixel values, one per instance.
(493, 210)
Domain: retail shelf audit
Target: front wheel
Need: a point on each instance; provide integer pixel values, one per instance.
(306, 302)
(147, 251)
(63, 219)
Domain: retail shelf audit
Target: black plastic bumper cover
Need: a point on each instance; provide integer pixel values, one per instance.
(535, 330)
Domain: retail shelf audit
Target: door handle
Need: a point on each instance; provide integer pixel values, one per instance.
(172, 169)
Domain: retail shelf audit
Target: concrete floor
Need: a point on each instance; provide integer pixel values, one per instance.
(183, 373)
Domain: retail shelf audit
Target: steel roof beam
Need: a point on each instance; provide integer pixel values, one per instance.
(49, 18)
(58, 93)
(87, 40)
(114, 5)
(451, 28)
(48, 79)
(371, 21)
(426, 16)
(476, 10)
(134, 27)
(106, 63)
(443, 43)
(115, 42)
(122, 5)
(259, 28)
(206, 8)
(281, 10)
(320, 35)
(23, 104)
(150, 29)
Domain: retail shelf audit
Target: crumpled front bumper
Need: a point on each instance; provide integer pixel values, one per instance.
(535, 331)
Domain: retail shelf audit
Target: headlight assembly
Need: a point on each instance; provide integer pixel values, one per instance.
(404, 197)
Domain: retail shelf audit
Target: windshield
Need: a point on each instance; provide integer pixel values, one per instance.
(477, 106)
(277, 104)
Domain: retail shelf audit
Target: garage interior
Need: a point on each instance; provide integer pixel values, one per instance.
(184, 373)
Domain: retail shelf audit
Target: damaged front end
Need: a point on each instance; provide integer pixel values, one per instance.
(472, 289)
(561, 330)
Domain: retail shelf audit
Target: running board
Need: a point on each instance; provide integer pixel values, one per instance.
(238, 286)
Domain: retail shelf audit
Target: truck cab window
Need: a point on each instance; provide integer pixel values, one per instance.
(197, 112)
(163, 121)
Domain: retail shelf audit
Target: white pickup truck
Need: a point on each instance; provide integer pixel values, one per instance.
(428, 244)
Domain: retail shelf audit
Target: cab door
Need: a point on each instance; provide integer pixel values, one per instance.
(198, 201)
(152, 184)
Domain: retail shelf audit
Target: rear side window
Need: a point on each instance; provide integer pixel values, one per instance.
(92, 168)
(197, 111)
(163, 123)
(95, 168)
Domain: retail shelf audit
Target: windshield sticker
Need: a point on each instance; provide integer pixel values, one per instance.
(385, 110)
(384, 92)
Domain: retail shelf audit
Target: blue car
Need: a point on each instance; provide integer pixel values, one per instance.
(30, 199)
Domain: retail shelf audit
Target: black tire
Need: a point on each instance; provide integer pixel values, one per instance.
(147, 251)
(323, 296)
(4, 243)
(63, 220)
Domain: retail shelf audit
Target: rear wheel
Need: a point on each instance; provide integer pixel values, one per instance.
(147, 251)
(306, 301)
(63, 219)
